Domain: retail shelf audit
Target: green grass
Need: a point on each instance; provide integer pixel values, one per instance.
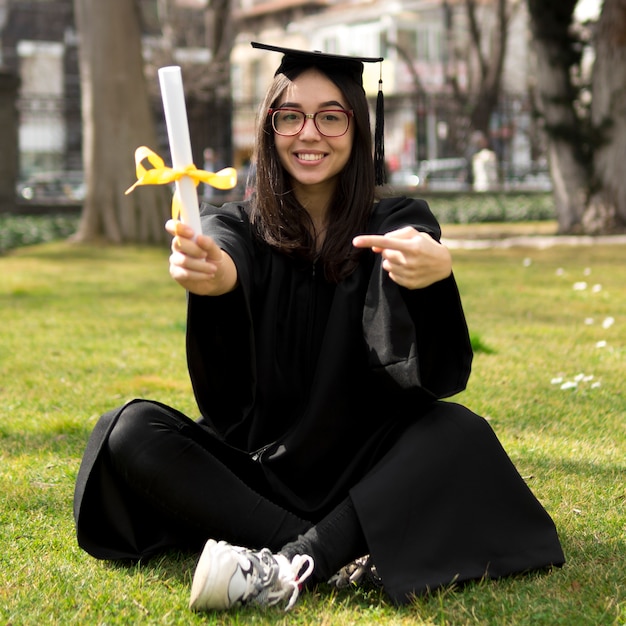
(82, 329)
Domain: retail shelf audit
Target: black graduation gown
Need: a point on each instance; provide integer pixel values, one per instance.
(313, 376)
(336, 389)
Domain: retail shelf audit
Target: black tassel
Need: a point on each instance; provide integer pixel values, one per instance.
(380, 177)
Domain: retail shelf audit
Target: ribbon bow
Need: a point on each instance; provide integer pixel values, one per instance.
(159, 174)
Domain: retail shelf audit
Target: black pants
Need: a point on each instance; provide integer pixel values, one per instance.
(183, 476)
(193, 487)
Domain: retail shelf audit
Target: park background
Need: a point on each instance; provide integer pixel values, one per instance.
(90, 318)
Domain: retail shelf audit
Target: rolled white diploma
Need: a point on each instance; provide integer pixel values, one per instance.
(173, 96)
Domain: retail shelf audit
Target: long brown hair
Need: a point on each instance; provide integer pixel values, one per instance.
(282, 221)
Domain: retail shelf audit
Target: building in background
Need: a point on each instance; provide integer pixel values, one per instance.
(426, 130)
(39, 45)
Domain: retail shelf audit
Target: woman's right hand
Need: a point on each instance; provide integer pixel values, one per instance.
(198, 264)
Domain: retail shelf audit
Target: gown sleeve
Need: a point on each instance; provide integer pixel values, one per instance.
(220, 345)
(416, 339)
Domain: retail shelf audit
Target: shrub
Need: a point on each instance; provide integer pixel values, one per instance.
(468, 208)
(19, 230)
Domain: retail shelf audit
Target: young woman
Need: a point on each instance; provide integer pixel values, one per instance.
(324, 329)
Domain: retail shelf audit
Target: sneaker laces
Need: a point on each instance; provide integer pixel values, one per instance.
(261, 572)
(275, 578)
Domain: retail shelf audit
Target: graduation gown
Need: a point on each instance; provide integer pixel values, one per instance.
(337, 389)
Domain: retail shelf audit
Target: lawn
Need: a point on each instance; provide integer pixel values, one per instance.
(82, 329)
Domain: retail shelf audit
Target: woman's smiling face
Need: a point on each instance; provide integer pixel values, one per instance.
(310, 158)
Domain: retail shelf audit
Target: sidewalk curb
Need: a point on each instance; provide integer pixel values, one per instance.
(530, 241)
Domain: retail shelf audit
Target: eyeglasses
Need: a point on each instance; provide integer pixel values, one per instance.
(329, 122)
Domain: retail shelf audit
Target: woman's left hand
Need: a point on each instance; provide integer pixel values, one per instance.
(412, 258)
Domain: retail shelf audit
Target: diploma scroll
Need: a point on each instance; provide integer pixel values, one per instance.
(171, 82)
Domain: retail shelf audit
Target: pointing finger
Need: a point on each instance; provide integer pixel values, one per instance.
(391, 241)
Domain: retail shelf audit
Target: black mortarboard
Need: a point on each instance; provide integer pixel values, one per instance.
(352, 67)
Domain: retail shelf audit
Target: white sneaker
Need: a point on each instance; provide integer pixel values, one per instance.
(228, 575)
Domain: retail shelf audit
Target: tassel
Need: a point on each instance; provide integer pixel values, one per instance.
(380, 177)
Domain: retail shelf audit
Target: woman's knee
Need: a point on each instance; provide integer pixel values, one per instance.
(137, 421)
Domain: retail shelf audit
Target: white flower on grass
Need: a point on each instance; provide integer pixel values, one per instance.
(560, 271)
(574, 383)
(527, 262)
(596, 288)
(580, 286)
(589, 321)
(587, 271)
(601, 344)
(585, 378)
(608, 322)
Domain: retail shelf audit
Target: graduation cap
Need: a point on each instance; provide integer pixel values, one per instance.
(352, 68)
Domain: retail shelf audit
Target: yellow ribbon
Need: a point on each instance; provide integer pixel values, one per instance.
(159, 174)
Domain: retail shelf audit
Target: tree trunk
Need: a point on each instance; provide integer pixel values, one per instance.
(491, 64)
(117, 118)
(550, 23)
(569, 178)
(606, 211)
